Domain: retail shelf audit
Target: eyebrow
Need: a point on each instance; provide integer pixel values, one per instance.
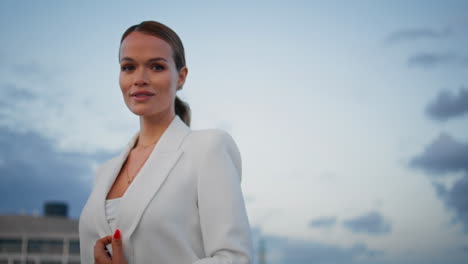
(150, 60)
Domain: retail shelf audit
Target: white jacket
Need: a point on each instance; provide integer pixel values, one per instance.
(185, 206)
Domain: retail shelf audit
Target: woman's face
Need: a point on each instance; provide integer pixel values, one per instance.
(148, 75)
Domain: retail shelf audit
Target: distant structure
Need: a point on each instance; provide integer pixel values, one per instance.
(49, 239)
(261, 252)
(57, 209)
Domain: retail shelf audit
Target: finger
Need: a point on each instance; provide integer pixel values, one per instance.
(101, 256)
(118, 256)
(104, 240)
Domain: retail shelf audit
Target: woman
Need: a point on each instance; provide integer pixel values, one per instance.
(173, 195)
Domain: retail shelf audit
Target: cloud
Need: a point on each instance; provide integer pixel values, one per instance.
(372, 223)
(448, 105)
(280, 249)
(24, 98)
(429, 60)
(13, 91)
(326, 221)
(285, 250)
(447, 155)
(12, 95)
(303, 252)
(33, 171)
(30, 68)
(417, 34)
(456, 199)
(443, 155)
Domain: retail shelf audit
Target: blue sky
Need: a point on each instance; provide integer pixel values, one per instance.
(351, 118)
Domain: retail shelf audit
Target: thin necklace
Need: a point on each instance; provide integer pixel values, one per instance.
(129, 180)
(144, 147)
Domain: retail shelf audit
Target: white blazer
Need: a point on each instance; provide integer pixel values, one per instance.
(185, 206)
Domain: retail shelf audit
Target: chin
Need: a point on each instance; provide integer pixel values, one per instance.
(145, 112)
(139, 111)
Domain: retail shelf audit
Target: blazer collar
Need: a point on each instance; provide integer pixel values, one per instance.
(170, 140)
(147, 182)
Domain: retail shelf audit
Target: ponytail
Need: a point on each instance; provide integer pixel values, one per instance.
(182, 109)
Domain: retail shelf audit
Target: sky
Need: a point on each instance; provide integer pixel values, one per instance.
(351, 117)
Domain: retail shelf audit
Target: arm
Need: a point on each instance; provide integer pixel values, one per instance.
(85, 228)
(223, 218)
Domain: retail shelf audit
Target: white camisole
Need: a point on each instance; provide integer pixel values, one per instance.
(112, 209)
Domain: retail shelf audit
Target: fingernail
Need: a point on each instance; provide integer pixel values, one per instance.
(117, 234)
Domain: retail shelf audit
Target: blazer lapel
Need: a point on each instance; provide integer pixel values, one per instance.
(151, 176)
(104, 182)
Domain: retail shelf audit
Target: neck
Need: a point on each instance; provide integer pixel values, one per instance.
(152, 128)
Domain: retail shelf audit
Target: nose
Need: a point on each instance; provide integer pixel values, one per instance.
(141, 78)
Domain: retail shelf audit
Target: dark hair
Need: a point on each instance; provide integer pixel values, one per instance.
(163, 32)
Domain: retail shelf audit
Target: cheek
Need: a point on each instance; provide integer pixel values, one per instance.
(122, 82)
(165, 83)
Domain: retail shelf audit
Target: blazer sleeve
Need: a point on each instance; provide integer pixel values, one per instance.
(85, 225)
(224, 223)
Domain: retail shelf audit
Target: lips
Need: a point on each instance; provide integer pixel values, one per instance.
(142, 94)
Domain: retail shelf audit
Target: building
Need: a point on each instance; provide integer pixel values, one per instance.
(49, 239)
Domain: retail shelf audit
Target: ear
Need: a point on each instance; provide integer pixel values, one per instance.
(182, 76)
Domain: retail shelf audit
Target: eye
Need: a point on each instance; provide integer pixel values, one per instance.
(127, 67)
(157, 67)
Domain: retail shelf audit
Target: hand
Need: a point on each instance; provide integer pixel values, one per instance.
(101, 256)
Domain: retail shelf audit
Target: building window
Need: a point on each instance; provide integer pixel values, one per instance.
(74, 247)
(21, 262)
(47, 246)
(10, 245)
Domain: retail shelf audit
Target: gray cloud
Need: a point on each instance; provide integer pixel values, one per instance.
(281, 249)
(444, 154)
(429, 60)
(27, 69)
(417, 34)
(33, 171)
(13, 91)
(20, 103)
(30, 68)
(456, 199)
(303, 252)
(448, 105)
(326, 221)
(372, 223)
(11, 95)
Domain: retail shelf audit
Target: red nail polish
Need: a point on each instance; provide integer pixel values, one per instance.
(117, 234)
